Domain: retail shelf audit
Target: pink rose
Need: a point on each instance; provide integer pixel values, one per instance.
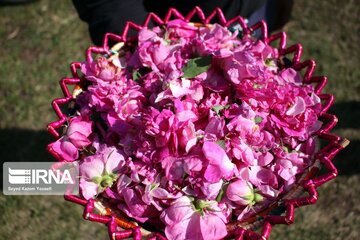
(187, 136)
(79, 131)
(129, 105)
(99, 171)
(75, 139)
(153, 54)
(186, 220)
(134, 206)
(242, 192)
(101, 70)
(219, 166)
(180, 29)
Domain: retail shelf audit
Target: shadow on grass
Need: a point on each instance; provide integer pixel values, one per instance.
(24, 145)
(348, 114)
(347, 160)
(349, 126)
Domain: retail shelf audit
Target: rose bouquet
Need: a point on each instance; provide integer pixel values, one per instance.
(195, 130)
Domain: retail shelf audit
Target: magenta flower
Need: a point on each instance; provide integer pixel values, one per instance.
(185, 110)
(215, 38)
(301, 125)
(216, 127)
(219, 166)
(153, 53)
(79, 131)
(100, 171)
(173, 167)
(211, 190)
(75, 139)
(102, 70)
(192, 153)
(214, 80)
(193, 164)
(163, 127)
(187, 136)
(198, 220)
(263, 178)
(287, 170)
(154, 194)
(134, 206)
(242, 65)
(180, 88)
(181, 29)
(242, 192)
(298, 107)
(129, 105)
(289, 75)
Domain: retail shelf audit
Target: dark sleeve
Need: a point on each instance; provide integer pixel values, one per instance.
(105, 16)
(230, 8)
(248, 7)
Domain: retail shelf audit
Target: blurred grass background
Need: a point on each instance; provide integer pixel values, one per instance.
(37, 43)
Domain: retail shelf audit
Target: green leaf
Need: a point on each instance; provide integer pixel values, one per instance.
(286, 149)
(258, 119)
(221, 143)
(196, 66)
(222, 192)
(220, 195)
(136, 75)
(218, 108)
(269, 62)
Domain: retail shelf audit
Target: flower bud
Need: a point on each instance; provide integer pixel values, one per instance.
(242, 192)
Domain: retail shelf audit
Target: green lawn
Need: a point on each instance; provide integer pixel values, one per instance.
(37, 43)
